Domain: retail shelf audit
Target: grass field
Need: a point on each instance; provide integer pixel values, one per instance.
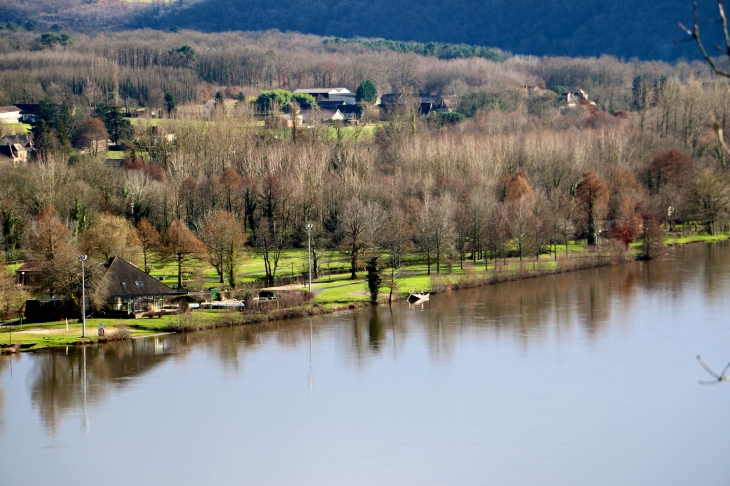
(15, 128)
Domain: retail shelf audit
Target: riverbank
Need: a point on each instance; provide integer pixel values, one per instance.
(335, 293)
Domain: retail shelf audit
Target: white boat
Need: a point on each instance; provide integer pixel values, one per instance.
(417, 297)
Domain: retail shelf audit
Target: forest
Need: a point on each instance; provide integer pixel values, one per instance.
(513, 170)
(643, 29)
(646, 30)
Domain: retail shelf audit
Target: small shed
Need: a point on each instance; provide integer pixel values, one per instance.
(29, 273)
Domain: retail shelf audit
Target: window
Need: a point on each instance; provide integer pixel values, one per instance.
(139, 283)
(124, 284)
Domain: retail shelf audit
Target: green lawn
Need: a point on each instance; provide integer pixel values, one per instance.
(115, 154)
(16, 128)
(695, 238)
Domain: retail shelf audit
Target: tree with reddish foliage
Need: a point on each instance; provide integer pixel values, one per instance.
(149, 239)
(48, 236)
(652, 237)
(592, 205)
(230, 182)
(671, 169)
(519, 201)
(514, 187)
(181, 246)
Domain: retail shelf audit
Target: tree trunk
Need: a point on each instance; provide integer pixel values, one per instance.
(179, 272)
(353, 264)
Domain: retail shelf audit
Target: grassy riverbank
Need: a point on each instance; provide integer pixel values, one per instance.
(337, 292)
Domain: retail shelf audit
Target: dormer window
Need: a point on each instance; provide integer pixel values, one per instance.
(124, 284)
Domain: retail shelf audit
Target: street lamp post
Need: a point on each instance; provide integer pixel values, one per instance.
(309, 227)
(82, 259)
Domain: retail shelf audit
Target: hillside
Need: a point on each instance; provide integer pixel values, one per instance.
(626, 29)
(640, 28)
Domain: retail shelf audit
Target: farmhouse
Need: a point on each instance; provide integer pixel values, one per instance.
(9, 114)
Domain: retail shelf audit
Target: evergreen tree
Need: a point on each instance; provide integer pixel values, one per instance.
(367, 91)
(170, 103)
(374, 279)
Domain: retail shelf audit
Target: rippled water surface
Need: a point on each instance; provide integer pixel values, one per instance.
(583, 378)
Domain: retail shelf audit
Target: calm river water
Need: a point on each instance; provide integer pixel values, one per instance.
(587, 378)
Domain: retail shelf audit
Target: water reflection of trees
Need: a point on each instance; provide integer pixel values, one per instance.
(6, 362)
(530, 311)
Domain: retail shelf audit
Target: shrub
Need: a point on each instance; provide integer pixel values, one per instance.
(121, 332)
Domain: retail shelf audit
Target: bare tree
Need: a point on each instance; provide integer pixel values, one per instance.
(360, 224)
(222, 234)
(592, 204)
(149, 239)
(695, 34)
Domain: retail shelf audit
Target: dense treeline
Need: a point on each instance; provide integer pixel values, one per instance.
(646, 30)
(140, 68)
(435, 49)
(523, 175)
(643, 29)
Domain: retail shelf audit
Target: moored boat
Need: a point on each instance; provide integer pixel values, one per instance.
(417, 297)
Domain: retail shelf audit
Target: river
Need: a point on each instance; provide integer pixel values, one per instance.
(583, 378)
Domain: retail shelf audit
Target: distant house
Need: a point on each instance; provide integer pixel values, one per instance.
(129, 291)
(9, 114)
(574, 98)
(426, 104)
(330, 98)
(532, 89)
(331, 116)
(14, 153)
(329, 94)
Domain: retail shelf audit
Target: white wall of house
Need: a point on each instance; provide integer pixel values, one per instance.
(10, 117)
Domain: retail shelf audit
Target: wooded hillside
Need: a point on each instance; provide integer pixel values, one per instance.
(622, 28)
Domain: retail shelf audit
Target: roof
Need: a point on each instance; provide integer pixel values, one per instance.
(328, 91)
(9, 109)
(30, 108)
(29, 267)
(331, 115)
(122, 279)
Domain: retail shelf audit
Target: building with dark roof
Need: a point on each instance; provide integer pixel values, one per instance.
(129, 291)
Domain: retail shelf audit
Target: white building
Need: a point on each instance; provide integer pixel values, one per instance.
(9, 114)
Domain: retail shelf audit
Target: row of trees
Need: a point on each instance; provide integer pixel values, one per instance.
(220, 241)
(140, 68)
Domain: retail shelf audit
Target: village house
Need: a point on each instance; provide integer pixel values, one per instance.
(9, 114)
(331, 116)
(330, 98)
(573, 98)
(23, 139)
(426, 104)
(14, 153)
